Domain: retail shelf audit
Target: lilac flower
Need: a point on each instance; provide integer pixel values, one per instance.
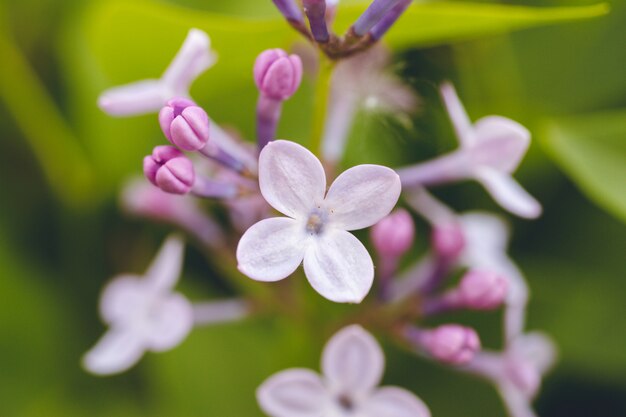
(292, 180)
(490, 151)
(194, 57)
(143, 313)
(352, 367)
(517, 372)
(449, 343)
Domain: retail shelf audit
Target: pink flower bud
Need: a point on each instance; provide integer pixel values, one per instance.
(184, 124)
(393, 235)
(277, 74)
(524, 375)
(169, 169)
(448, 240)
(483, 290)
(452, 343)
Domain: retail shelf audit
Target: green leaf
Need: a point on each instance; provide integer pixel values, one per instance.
(591, 149)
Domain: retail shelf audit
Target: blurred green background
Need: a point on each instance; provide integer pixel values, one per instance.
(559, 71)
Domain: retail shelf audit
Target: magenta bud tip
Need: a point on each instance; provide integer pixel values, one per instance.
(169, 169)
(277, 74)
(483, 290)
(394, 234)
(448, 240)
(452, 343)
(184, 124)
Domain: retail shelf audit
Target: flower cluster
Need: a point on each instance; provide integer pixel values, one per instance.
(200, 161)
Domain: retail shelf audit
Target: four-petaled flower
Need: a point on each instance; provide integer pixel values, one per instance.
(490, 151)
(143, 314)
(336, 263)
(352, 367)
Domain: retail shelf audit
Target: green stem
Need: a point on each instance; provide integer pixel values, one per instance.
(322, 95)
(55, 147)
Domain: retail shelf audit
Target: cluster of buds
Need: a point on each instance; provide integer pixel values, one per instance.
(370, 27)
(315, 230)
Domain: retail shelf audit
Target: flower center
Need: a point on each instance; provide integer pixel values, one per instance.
(345, 402)
(315, 223)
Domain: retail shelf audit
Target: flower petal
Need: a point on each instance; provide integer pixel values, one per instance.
(122, 297)
(291, 178)
(168, 323)
(394, 402)
(271, 249)
(501, 143)
(508, 193)
(339, 267)
(353, 362)
(293, 393)
(362, 195)
(537, 348)
(193, 58)
(115, 352)
(140, 97)
(166, 267)
(460, 120)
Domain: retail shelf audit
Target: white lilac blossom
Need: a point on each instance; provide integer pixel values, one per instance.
(194, 57)
(352, 367)
(315, 231)
(362, 82)
(143, 313)
(517, 372)
(490, 151)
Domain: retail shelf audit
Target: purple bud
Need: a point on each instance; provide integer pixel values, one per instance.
(169, 169)
(483, 290)
(277, 74)
(524, 375)
(393, 235)
(184, 124)
(448, 240)
(452, 343)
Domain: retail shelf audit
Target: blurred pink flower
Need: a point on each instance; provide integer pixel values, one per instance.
(352, 367)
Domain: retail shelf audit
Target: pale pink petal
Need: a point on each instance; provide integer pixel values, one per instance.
(291, 178)
(515, 401)
(193, 58)
(272, 249)
(536, 348)
(501, 143)
(136, 98)
(394, 402)
(508, 193)
(115, 352)
(362, 195)
(293, 393)
(460, 120)
(122, 298)
(168, 323)
(339, 267)
(353, 362)
(166, 266)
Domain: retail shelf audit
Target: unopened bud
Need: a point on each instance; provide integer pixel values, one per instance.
(184, 124)
(169, 169)
(448, 240)
(393, 235)
(483, 290)
(277, 74)
(452, 343)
